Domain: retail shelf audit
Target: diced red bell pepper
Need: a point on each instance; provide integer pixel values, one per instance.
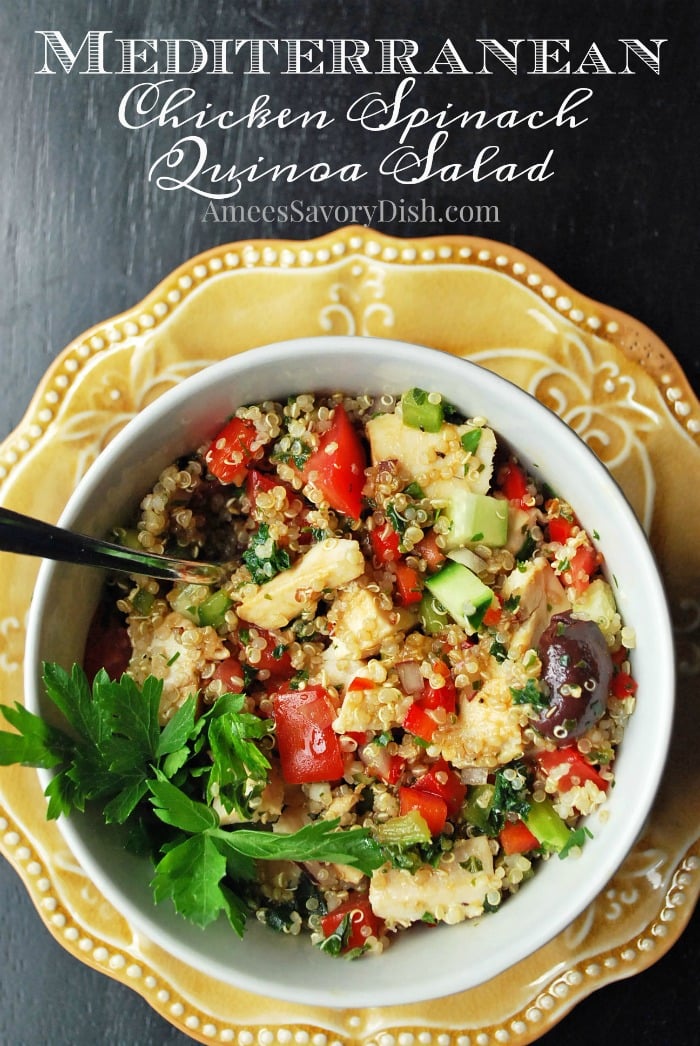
(409, 587)
(419, 723)
(583, 564)
(581, 769)
(397, 765)
(338, 466)
(444, 696)
(258, 483)
(493, 613)
(432, 808)
(385, 543)
(363, 923)
(307, 744)
(361, 683)
(230, 453)
(382, 764)
(443, 781)
(516, 838)
(512, 481)
(623, 685)
(274, 657)
(359, 736)
(560, 529)
(230, 673)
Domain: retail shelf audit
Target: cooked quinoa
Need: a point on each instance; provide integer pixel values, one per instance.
(443, 727)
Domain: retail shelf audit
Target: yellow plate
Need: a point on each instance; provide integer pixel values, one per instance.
(608, 376)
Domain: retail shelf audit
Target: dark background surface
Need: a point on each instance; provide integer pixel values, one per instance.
(85, 235)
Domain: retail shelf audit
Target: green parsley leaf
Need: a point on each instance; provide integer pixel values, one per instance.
(530, 694)
(577, 837)
(498, 651)
(318, 841)
(118, 732)
(398, 523)
(508, 793)
(263, 557)
(239, 770)
(526, 549)
(472, 864)
(177, 809)
(35, 744)
(383, 739)
(336, 941)
(298, 453)
(179, 729)
(190, 875)
(71, 695)
(298, 679)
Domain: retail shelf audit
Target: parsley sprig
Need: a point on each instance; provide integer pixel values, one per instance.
(178, 776)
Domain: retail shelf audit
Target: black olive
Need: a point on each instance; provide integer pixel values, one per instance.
(577, 669)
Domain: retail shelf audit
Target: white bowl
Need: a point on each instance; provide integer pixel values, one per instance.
(427, 962)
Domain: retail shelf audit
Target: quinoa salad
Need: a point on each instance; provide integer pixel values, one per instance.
(422, 644)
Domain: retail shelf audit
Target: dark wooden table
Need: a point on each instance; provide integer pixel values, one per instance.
(85, 235)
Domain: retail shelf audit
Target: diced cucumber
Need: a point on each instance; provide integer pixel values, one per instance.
(213, 610)
(143, 601)
(462, 594)
(418, 412)
(201, 605)
(188, 599)
(433, 616)
(474, 518)
(547, 826)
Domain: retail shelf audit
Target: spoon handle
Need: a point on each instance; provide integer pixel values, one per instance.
(33, 537)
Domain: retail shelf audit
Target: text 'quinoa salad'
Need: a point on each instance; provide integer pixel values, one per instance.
(407, 693)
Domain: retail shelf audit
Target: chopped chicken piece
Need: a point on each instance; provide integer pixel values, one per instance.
(597, 603)
(159, 650)
(334, 875)
(337, 669)
(294, 815)
(487, 731)
(453, 891)
(541, 596)
(380, 708)
(426, 457)
(327, 565)
(480, 477)
(519, 522)
(360, 622)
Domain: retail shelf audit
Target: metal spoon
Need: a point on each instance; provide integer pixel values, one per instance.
(32, 537)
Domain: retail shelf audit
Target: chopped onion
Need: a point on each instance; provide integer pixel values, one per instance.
(376, 758)
(467, 558)
(474, 775)
(410, 677)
